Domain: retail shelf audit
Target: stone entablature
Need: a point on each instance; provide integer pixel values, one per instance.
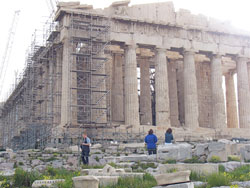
(158, 24)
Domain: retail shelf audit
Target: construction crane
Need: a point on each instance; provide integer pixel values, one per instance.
(8, 49)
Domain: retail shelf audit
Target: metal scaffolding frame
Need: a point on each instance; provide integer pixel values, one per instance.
(33, 110)
(27, 116)
(31, 115)
(89, 102)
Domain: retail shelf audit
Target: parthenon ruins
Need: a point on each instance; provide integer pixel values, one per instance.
(131, 68)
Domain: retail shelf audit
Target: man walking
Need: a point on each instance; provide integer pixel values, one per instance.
(85, 146)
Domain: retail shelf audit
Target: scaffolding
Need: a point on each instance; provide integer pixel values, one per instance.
(89, 101)
(27, 116)
(33, 110)
(32, 114)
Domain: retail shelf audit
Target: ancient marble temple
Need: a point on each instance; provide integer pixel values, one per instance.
(140, 66)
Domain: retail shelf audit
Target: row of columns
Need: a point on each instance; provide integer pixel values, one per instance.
(162, 107)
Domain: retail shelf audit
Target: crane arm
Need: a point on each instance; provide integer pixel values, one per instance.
(8, 49)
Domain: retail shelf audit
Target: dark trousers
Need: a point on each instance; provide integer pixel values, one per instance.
(151, 151)
(85, 157)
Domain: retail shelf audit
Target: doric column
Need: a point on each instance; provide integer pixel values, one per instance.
(218, 105)
(66, 60)
(248, 70)
(117, 88)
(145, 93)
(65, 116)
(190, 91)
(130, 87)
(173, 93)
(161, 89)
(243, 93)
(232, 119)
(180, 91)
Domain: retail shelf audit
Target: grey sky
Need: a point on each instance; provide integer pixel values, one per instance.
(35, 12)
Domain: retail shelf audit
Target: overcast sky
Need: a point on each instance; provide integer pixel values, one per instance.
(34, 13)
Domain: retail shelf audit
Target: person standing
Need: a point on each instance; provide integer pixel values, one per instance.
(85, 146)
(169, 137)
(151, 141)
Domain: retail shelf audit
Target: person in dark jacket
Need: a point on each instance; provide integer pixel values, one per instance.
(169, 137)
(85, 146)
(151, 141)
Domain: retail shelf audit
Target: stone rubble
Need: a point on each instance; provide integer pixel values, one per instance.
(178, 185)
(124, 162)
(47, 183)
(85, 182)
(172, 178)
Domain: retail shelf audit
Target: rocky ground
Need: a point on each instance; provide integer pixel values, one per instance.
(132, 159)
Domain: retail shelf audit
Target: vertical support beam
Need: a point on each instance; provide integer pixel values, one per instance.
(117, 89)
(218, 105)
(190, 92)
(58, 86)
(248, 70)
(50, 89)
(73, 83)
(180, 91)
(232, 119)
(173, 94)
(99, 116)
(243, 93)
(109, 84)
(130, 87)
(45, 92)
(161, 89)
(65, 85)
(145, 96)
(66, 98)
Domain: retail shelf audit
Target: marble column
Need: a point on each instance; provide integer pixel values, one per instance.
(173, 93)
(243, 93)
(117, 89)
(145, 94)
(248, 70)
(190, 91)
(130, 87)
(180, 91)
(66, 59)
(218, 105)
(161, 89)
(232, 119)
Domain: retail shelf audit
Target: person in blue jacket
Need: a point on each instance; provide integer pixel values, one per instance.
(169, 137)
(151, 141)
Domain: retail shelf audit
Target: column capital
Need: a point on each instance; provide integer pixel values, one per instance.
(188, 52)
(160, 50)
(215, 55)
(130, 46)
(242, 58)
